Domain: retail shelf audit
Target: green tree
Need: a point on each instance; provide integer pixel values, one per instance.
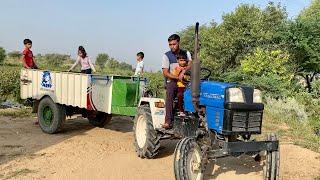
(2, 55)
(54, 61)
(301, 37)
(224, 45)
(311, 11)
(102, 59)
(265, 63)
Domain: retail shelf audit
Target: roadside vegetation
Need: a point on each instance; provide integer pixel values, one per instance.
(255, 46)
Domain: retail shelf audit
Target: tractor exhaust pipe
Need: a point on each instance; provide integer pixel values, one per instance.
(195, 71)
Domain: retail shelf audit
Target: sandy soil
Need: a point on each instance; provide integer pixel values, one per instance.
(84, 152)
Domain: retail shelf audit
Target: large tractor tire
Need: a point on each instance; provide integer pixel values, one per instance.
(99, 119)
(271, 169)
(146, 139)
(51, 116)
(187, 160)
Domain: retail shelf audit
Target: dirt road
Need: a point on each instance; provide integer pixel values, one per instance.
(84, 152)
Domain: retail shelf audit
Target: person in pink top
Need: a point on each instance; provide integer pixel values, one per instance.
(86, 64)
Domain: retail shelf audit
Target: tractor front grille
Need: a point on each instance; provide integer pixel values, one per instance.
(243, 122)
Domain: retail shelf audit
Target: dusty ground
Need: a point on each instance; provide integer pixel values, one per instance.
(84, 152)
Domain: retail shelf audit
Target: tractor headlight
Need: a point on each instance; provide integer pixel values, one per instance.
(257, 96)
(235, 95)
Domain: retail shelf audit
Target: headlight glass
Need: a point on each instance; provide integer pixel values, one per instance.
(235, 95)
(257, 96)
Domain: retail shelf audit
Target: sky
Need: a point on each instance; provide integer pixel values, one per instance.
(120, 28)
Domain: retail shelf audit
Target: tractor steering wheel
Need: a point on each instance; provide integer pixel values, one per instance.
(205, 73)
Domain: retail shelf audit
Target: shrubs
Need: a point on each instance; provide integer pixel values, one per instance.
(2, 55)
(156, 84)
(9, 83)
(301, 115)
(287, 109)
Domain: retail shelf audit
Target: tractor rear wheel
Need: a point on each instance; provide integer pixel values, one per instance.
(99, 119)
(146, 139)
(271, 169)
(51, 116)
(187, 160)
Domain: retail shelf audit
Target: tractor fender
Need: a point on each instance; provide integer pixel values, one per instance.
(157, 113)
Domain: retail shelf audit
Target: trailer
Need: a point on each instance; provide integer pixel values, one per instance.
(97, 97)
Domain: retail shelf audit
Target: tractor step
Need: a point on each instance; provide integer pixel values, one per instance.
(166, 131)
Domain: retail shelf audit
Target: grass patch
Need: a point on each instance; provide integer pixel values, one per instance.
(23, 112)
(19, 173)
(292, 130)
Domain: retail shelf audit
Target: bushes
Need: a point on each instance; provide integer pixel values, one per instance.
(9, 83)
(301, 115)
(156, 84)
(2, 55)
(288, 109)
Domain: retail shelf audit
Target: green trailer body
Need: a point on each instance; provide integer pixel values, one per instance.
(125, 96)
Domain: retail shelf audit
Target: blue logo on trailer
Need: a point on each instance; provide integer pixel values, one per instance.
(46, 81)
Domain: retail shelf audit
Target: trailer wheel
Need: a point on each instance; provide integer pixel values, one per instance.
(271, 169)
(51, 116)
(99, 119)
(187, 160)
(146, 139)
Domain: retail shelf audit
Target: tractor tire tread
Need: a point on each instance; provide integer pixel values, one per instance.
(151, 149)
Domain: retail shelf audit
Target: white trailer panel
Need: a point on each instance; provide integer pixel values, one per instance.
(63, 87)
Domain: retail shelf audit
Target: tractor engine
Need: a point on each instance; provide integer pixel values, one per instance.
(230, 109)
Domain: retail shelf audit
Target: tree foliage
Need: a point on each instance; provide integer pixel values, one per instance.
(224, 45)
(54, 61)
(265, 63)
(155, 84)
(102, 60)
(302, 39)
(253, 40)
(312, 11)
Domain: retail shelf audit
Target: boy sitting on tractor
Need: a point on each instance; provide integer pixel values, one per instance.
(179, 71)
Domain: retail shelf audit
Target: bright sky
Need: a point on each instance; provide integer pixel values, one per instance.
(120, 28)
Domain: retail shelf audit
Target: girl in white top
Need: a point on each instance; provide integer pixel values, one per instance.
(86, 64)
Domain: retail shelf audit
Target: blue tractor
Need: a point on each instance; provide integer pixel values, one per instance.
(227, 116)
(220, 119)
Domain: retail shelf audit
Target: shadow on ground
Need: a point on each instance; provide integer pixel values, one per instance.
(121, 124)
(20, 137)
(241, 166)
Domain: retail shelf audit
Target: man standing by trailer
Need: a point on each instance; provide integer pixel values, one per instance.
(169, 63)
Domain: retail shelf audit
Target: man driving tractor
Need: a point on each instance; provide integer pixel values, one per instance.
(169, 64)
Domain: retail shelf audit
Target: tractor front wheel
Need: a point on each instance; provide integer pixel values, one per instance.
(187, 160)
(272, 165)
(146, 139)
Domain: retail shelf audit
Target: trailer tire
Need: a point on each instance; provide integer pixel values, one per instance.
(146, 139)
(51, 116)
(272, 165)
(187, 160)
(100, 119)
